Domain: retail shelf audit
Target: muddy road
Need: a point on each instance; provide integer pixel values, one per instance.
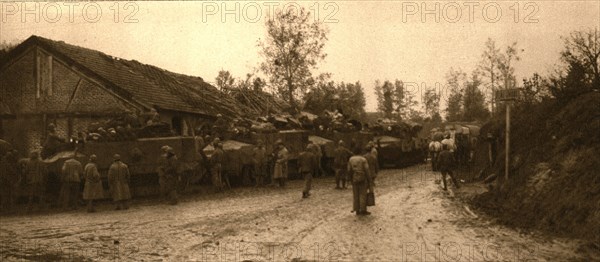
(414, 220)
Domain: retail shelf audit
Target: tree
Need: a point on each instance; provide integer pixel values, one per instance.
(5, 48)
(404, 101)
(473, 101)
(385, 98)
(352, 100)
(292, 48)
(488, 67)
(533, 90)
(431, 105)
(455, 80)
(505, 66)
(565, 86)
(583, 48)
(224, 80)
(348, 98)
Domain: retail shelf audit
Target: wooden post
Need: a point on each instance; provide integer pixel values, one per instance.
(507, 153)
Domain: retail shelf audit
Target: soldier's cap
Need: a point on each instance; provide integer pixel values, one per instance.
(279, 142)
(164, 148)
(308, 148)
(219, 115)
(117, 157)
(217, 140)
(341, 142)
(93, 157)
(220, 145)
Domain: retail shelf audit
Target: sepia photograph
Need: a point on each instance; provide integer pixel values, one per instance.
(300, 131)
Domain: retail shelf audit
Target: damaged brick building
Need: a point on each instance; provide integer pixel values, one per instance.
(43, 81)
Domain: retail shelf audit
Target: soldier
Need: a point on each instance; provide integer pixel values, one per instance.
(372, 161)
(118, 181)
(71, 179)
(92, 190)
(52, 143)
(307, 164)
(216, 161)
(259, 157)
(220, 126)
(434, 150)
(35, 173)
(318, 154)
(359, 171)
(162, 163)
(280, 172)
(171, 176)
(340, 164)
(10, 178)
(445, 165)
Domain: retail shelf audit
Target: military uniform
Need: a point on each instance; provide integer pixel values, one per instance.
(162, 163)
(358, 168)
(71, 171)
(373, 165)
(307, 165)
(434, 149)
(280, 171)
(259, 158)
(35, 174)
(216, 161)
(445, 165)
(118, 180)
(340, 164)
(92, 190)
(172, 177)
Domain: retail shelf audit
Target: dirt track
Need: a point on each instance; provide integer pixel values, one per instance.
(414, 220)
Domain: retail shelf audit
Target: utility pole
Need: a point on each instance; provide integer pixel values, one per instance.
(507, 95)
(507, 155)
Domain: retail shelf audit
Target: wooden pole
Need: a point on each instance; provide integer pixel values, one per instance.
(507, 153)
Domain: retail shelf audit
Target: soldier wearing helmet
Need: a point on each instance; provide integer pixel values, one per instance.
(259, 158)
(35, 175)
(340, 162)
(280, 171)
(118, 181)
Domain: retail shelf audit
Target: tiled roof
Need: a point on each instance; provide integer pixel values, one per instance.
(147, 84)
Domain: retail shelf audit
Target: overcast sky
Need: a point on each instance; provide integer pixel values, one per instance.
(368, 40)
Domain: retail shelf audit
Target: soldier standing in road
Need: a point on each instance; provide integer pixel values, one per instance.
(118, 181)
(10, 178)
(171, 176)
(360, 174)
(307, 164)
(340, 164)
(92, 189)
(373, 165)
(162, 163)
(280, 171)
(259, 157)
(318, 153)
(35, 174)
(445, 165)
(71, 179)
(216, 161)
(434, 150)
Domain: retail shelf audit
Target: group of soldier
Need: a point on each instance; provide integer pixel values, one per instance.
(357, 167)
(444, 157)
(33, 173)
